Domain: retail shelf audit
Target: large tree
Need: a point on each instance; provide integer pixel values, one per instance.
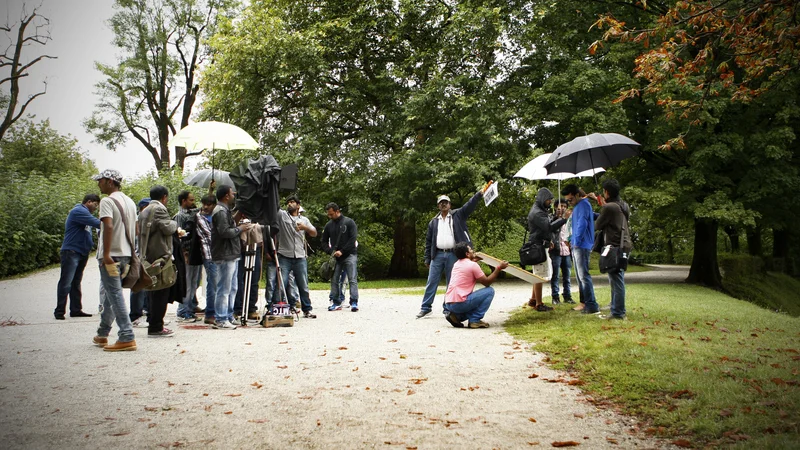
(36, 147)
(32, 30)
(151, 91)
(385, 104)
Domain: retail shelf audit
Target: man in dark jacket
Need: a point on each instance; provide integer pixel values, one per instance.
(444, 231)
(339, 240)
(74, 256)
(225, 252)
(541, 228)
(155, 241)
(613, 222)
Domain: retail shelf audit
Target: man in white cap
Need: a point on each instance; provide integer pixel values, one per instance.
(444, 231)
(118, 226)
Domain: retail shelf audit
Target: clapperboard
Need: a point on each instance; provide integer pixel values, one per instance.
(490, 194)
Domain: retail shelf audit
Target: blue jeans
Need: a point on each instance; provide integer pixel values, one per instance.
(226, 289)
(443, 262)
(585, 285)
(138, 300)
(256, 276)
(211, 287)
(617, 283)
(193, 276)
(298, 267)
(475, 306)
(349, 265)
(565, 264)
(72, 265)
(112, 303)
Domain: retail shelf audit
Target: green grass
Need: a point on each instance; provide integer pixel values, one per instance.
(774, 291)
(690, 362)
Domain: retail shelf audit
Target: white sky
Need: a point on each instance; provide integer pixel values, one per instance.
(80, 37)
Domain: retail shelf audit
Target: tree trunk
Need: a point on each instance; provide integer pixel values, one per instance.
(705, 268)
(670, 251)
(733, 235)
(404, 258)
(780, 243)
(754, 246)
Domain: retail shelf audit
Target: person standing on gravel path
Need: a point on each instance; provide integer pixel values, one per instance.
(114, 255)
(74, 255)
(461, 301)
(444, 230)
(613, 222)
(339, 239)
(582, 242)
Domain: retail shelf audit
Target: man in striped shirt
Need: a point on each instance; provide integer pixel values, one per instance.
(203, 233)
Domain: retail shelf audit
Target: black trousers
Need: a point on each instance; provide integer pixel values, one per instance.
(157, 310)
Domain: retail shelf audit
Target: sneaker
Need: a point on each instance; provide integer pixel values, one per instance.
(190, 319)
(309, 315)
(453, 319)
(556, 301)
(100, 341)
(227, 325)
(80, 314)
(590, 311)
(569, 300)
(141, 322)
(165, 332)
(121, 346)
(209, 320)
(199, 310)
(610, 317)
(544, 308)
(422, 314)
(478, 324)
(335, 307)
(59, 316)
(354, 307)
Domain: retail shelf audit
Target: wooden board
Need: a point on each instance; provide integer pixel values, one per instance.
(522, 274)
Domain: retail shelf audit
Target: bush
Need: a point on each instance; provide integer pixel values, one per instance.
(33, 211)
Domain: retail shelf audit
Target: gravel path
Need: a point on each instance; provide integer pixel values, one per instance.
(378, 378)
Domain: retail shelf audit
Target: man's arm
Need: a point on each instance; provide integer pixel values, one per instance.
(326, 238)
(161, 219)
(108, 231)
(84, 217)
(470, 206)
(604, 218)
(305, 225)
(487, 280)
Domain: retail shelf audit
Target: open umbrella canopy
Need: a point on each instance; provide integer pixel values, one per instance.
(591, 152)
(535, 170)
(213, 135)
(202, 178)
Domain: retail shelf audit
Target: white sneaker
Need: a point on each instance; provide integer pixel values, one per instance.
(224, 326)
(141, 322)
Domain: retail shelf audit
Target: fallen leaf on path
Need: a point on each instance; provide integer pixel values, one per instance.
(355, 370)
(386, 377)
(121, 433)
(418, 380)
(282, 367)
(143, 419)
(726, 413)
(531, 419)
(533, 443)
(228, 412)
(351, 332)
(565, 444)
(579, 415)
(533, 375)
(682, 443)
(257, 385)
(150, 408)
(151, 425)
(612, 440)
(576, 383)
(410, 392)
(342, 348)
(170, 383)
(284, 342)
(258, 420)
(393, 340)
(233, 395)
(403, 356)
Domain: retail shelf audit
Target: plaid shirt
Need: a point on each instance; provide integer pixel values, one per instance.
(204, 233)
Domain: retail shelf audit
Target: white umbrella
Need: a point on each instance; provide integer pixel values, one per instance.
(535, 170)
(213, 135)
(203, 178)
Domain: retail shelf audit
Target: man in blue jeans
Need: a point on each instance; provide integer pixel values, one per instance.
(339, 239)
(114, 254)
(203, 234)
(561, 256)
(292, 251)
(582, 241)
(444, 230)
(74, 255)
(462, 303)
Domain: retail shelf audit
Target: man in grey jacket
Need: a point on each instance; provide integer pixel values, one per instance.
(225, 253)
(156, 230)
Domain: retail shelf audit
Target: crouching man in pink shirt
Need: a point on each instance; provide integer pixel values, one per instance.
(462, 303)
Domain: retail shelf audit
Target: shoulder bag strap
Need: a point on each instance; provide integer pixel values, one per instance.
(124, 222)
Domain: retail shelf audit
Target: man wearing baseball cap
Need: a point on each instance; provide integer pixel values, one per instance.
(118, 226)
(444, 231)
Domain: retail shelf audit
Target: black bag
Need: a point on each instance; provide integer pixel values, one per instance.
(327, 268)
(531, 253)
(613, 259)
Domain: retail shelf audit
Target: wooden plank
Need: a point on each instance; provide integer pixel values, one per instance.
(511, 270)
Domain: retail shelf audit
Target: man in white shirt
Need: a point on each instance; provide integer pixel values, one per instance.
(114, 254)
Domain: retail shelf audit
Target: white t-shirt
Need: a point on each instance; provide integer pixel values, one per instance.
(119, 242)
(445, 239)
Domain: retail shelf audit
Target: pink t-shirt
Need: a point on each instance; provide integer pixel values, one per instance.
(462, 280)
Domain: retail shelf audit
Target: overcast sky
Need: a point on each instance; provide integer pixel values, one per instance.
(80, 37)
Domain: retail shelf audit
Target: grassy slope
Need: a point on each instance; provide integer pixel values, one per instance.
(690, 361)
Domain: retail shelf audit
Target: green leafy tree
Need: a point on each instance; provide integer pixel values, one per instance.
(35, 147)
(384, 104)
(149, 94)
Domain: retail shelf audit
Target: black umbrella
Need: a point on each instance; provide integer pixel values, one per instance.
(256, 184)
(591, 152)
